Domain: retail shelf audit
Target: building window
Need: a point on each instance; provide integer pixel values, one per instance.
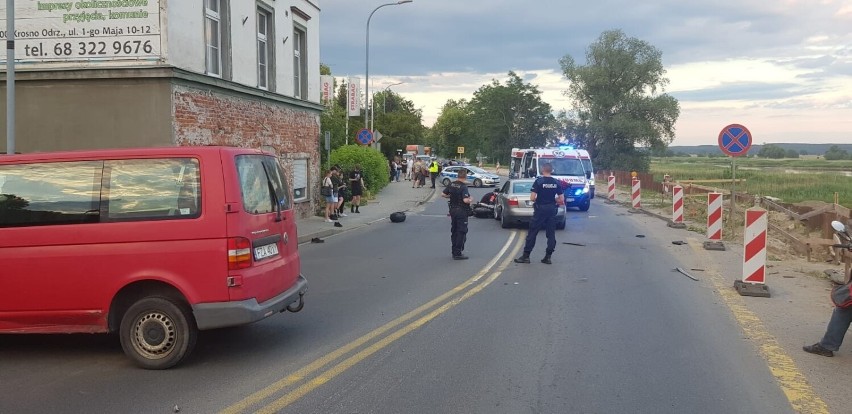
(265, 50)
(216, 38)
(300, 179)
(300, 69)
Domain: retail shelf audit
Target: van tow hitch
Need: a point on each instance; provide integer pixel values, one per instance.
(301, 304)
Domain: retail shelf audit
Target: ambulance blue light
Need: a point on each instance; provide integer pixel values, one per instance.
(578, 191)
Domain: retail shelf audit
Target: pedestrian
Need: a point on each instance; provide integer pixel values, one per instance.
(339, 189)
(393, 169)
(356, 186)
(459, 204)
(330, 195)
(418, 172)
(434, 170)
(546, 196)
(409, 168)
(497, 168)
(398, 168)
(839, 323)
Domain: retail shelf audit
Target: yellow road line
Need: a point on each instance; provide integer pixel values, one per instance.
(300, 374)
(792, 382)
(336, 370)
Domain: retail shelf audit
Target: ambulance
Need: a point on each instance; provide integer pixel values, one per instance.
(567, 167)
(587, 164)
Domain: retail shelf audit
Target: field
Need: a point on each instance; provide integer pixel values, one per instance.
(791, 180)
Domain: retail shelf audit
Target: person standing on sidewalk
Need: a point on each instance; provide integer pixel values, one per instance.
(356, 185)
(459, 205)
(839, 323)
(546, 196)
(331, 198)
(339, 189)
(409, 168)
(434, 169)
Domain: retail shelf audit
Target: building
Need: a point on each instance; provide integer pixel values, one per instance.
(126, 73)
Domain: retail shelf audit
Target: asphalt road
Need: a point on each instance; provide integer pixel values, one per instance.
(393, 325)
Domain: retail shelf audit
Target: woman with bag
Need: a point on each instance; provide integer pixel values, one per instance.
(327, 191)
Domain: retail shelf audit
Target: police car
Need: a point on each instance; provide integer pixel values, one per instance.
(514, 205)
(476, 177)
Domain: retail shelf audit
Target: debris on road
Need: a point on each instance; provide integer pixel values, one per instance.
(679, 242)
(574, 244)
(317, 240)
(685, 273)
(641, 236)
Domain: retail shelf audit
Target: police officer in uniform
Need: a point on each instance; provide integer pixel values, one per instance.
(546, 195)
(459, 207)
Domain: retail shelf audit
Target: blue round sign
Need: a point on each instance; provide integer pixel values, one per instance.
(735, 140)
(364, 136)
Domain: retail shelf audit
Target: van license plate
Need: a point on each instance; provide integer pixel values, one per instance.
(569, 200)
(262, 252)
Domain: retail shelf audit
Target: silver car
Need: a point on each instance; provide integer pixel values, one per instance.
(514, 205)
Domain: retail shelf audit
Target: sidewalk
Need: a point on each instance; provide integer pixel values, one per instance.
(396, 196)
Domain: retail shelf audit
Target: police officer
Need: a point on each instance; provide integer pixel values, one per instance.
(546, 195)
(459, 206)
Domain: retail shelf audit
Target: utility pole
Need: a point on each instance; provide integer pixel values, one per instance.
(10, 77)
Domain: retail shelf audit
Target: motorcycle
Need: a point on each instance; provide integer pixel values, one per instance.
(485, 207)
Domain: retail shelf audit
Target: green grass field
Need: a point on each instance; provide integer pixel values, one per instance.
(791, 180)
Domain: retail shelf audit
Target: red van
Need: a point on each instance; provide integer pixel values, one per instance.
(153, 243)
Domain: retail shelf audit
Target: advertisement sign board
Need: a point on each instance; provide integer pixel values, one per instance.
(84, 31)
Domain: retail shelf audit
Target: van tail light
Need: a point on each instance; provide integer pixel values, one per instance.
(513, 201)
(239, 253)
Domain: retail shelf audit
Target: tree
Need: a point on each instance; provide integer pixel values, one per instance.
(509, 115)
(453, 128)
(771, 151)
(791, 153)
(619, 103)
(836, 153)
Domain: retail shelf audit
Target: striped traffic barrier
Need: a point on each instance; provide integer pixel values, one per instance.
(677, 208)
(714, 222)
(636, 194)
(611, 188)
(753, 282)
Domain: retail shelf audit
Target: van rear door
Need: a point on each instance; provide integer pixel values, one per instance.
(262, 239)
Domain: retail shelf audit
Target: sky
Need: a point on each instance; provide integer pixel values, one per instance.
(782, 68)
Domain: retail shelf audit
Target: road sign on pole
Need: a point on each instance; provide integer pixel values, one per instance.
(364, 136)
(460, 150)
(735, 140)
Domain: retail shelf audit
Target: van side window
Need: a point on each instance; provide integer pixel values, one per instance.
(254, 185)
(49, 193)
(279, 184)
(145, 189)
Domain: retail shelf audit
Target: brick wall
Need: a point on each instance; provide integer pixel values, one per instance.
(205, 117)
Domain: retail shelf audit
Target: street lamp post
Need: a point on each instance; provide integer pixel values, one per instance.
(385, 101)
(367, 69)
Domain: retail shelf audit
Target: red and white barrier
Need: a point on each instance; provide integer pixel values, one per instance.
(677, 204)
(611, 188)
(636, 194)
(714, 216)
(754, 256)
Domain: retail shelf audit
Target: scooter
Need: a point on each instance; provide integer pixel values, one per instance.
(485, 207)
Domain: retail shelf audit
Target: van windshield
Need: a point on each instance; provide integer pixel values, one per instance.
(564, 166)
(587, 164)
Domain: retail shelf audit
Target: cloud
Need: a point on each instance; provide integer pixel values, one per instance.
(767, 58)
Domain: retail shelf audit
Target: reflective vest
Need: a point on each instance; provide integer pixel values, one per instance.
(433, 168)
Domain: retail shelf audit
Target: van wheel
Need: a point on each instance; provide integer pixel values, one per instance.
(585, 205)
(157, 332)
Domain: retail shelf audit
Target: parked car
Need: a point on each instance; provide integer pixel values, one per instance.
(153, 244)
(514, 205)
(476, 176)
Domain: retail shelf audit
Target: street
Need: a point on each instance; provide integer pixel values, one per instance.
(393, 324)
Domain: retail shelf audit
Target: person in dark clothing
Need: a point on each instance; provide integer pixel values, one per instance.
(459, 205)
(356, 185)
(546, 195)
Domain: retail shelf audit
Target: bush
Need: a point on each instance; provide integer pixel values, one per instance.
(374, 166)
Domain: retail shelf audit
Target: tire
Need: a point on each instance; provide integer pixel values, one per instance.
(585, 206)
(592, 193)
(504, 223)
(157, 332)
(496, 213)
(445, 182)
(477, 183)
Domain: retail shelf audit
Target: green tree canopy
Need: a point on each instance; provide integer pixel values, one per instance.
(619, 104)
(771, 151)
